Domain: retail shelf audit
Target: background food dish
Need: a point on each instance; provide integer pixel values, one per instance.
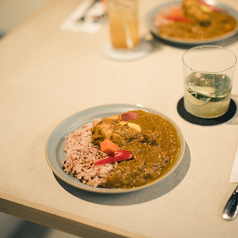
(155, 31)
(56, 142)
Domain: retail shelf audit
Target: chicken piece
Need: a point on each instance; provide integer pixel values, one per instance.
(193, 10)
(111, 128)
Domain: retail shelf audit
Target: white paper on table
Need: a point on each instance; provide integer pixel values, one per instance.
(88, 26)
(234, 172)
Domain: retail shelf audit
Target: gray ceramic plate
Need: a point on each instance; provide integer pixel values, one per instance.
(56, 142)
(150, 17)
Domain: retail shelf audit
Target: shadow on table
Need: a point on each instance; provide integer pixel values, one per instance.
(144, 195)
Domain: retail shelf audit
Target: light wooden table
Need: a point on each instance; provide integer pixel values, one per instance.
(48, 74)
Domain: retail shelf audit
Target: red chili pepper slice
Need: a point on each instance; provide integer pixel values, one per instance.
(115, 157)
(178, 18)
(127, 116)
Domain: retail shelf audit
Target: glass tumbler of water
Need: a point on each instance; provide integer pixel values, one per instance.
(208, 75)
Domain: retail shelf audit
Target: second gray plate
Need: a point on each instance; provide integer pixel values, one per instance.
(155, 30)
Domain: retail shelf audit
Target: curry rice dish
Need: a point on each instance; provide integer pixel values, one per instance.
(194, 20)
(148, 147)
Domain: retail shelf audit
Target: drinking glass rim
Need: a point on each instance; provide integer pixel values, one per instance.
(209, 46)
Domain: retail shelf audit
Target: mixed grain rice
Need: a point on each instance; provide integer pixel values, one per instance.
(82, 154)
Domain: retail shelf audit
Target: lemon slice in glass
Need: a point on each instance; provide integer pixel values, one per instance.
(198, 95)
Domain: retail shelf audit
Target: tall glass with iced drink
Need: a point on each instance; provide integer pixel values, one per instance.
(208, 76)
(123, 23)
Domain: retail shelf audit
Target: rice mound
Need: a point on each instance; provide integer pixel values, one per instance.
(82, 154)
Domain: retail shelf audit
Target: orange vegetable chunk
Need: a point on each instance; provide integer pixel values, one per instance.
(108, 147)
(177, 13)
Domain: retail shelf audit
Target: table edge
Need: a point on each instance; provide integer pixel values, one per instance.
(59, 220)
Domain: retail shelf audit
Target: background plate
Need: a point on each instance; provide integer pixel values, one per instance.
(56, 142)
(150, 16)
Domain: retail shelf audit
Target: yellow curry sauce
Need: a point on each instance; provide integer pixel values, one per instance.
(194, 19)
(219, 25)
(155, 148)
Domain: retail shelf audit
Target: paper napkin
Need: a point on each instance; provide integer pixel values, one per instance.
(234, 172)
(89, 25)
